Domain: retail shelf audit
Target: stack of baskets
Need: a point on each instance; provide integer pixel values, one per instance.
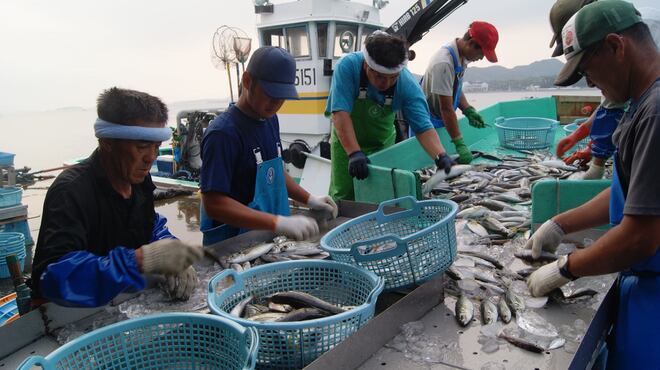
(526, 133)
(11, 243)
(293, 345)
(405, 248)
(570, 128)
(162, 341)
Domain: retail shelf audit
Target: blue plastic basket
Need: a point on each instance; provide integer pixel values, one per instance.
(8, 310)
(526, 132)
(10, 196)
(422, 241)
(11, 243)
(162, 341)
(6, 159)
(570, 128)
(293, 345)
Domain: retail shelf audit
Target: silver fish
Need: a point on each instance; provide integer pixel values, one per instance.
(488, 312)
(522, 343)
(237, 311)
(464, 310)
(268, 316)
(515, 302)
(251, 253)
(526, 255)
(504, 311)
(303, 314)
(439, 176)
(302, 299)
(476, 228)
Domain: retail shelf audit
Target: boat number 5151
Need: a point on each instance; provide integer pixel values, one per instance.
(305, 76)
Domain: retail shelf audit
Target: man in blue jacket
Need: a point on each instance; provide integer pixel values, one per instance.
(99, 230)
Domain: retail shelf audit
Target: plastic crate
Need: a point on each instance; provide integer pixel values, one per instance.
(6, 159)
(570, 128)
(525, 133)
(10, 196)
(422, 241)
(162, 341)
(8, 309)
(293, 345)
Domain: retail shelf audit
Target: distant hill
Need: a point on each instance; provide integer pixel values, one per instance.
(541, 73)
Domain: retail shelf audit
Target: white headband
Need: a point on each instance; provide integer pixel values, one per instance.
(379, 68)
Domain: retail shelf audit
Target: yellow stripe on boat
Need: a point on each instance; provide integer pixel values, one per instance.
(309, 103)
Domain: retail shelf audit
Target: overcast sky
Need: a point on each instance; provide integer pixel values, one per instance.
(63, 53)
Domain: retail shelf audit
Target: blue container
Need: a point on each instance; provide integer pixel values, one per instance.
(293, 345)
(570, 128)
(20, 226)
(525, 133)
(162, 341)
(165, 163)
(10, 196)
(8, 310)
(11, 243)
(405, 248)
(6, 159)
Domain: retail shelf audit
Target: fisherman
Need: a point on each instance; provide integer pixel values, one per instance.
(368, 87)
(443, 82)
(600, 126)
(99, 231)
(608, 43)
(243, 181)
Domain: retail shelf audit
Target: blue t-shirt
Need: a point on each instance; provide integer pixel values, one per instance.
(408, 95)
(228, 161)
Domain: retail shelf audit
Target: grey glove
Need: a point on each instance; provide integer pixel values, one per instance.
(546, 238)
(169, 256)
(181, 286)
(297, 226)
(546, 279)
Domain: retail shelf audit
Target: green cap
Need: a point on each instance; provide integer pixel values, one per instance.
(588, 26)
(560, 13)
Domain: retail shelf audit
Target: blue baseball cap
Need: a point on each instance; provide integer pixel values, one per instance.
(275, 69)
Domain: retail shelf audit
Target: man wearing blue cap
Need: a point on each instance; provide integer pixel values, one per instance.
(608, 43)
(99, 230)
(243, 181)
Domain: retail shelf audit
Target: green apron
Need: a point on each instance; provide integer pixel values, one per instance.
(374, 130)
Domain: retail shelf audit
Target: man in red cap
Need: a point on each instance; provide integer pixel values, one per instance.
(443, 80)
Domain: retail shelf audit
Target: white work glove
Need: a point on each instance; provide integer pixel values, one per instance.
(547, 238)
(323, 204)
(297, 227)
(595, 172)
(169, 256)
(546, 279)
(181, 286)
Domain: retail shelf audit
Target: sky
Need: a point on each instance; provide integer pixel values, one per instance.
(63, 53)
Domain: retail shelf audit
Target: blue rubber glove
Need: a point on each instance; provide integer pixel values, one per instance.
(444, 162)
(357, 165)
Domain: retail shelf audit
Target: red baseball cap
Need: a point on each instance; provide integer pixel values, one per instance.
(485, 34)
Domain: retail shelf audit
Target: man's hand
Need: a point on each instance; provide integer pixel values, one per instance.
(547, 238)
(181, 286)
(298, 227)
(546, 279)
(323, 204)
(474, 118)
(582, 157)
(444, 162)
(169, 256)
(569, 141)
(464, 153)
(357, 165)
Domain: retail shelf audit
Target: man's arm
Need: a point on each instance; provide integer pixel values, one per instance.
(225, 209)
(430, 141)
(594, 213)
(448, 115)
(345, 132)
(296, 192)
(462, 102)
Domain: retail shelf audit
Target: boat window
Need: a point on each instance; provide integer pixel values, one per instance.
(345, 39)
(298, 41)
(274, 37)
(322, 32)
(366, 31)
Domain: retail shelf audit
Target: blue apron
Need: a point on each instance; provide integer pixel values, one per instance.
(270, 196)
(458, 89)
(635, 343)
(605, 123)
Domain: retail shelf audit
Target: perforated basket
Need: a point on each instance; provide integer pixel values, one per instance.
(11, 243)
(570, 128)
(526, 132)
(10, 196)
(293, 345)
(162, 341)
(422, 241)
(6, 159)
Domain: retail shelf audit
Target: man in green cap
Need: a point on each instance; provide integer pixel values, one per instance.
(608, 43)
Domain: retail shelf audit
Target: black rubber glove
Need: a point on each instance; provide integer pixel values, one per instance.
(443, 161)
(357, 165)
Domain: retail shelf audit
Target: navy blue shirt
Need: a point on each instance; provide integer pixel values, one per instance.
(228, 161)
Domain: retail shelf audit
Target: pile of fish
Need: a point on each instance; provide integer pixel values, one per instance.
(286, 307)
(280, 249)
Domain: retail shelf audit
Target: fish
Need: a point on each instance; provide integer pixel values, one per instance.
(464, 310)
(255, 309)
(558, 164)
(488, 312)
(526, 255)
(495, 205)
(522, 343)
(485, 257)
(478, 261)
(284, 308)
(267, 316)
(439, 176)
(237, 311)
(251, 253)
(504, 310)
(476, 228)
(491, 223)
(302, 299)
(492, 288)
(515, 302)
(473, 212)
(303, 314)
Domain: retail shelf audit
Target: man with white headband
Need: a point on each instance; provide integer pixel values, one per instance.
(368, 87)
(443, 82)
(99, 231)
